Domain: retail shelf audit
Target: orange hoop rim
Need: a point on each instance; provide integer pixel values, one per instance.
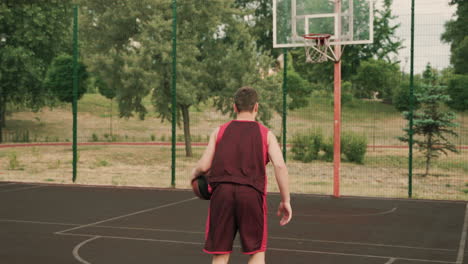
(316, 36)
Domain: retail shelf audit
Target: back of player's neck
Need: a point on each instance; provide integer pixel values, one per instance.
(245, 116)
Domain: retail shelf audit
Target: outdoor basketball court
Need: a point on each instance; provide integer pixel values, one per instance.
(76, 224)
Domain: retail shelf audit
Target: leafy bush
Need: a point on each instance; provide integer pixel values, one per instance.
(58, 78)
(458, 92)
(354, 147)
(14, 163)
(401, 97)
(327, 148)
(306, 147)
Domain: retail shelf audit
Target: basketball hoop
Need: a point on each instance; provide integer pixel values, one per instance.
(317, 47)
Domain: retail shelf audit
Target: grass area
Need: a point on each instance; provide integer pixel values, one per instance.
(384, 172)
(380, 122)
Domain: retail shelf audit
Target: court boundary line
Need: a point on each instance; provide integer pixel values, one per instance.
(76, 250)
(200, 233)
(21, 189)
(268, 249)
(325, 196)
(127, 215)
(461, 249)
(352, 215)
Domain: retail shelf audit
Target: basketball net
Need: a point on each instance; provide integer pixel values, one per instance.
(317, 47)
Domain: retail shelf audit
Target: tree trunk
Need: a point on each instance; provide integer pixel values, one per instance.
(460, 131)
(428, 154)
(111, 137)
(2, 117)
(188, 140)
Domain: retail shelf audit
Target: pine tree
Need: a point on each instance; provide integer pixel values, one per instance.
(432, 125)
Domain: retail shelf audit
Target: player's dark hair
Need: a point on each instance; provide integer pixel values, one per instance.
(245, 99)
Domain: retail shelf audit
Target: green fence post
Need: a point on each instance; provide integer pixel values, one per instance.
(75, 89)
(285, 94)
(174, 79)
(410, 159)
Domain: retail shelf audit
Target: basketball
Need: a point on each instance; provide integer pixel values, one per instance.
(201, 187)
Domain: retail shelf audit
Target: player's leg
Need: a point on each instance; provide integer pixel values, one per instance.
(220, 259)
(221, 225)
(257, 258)
(251, 219)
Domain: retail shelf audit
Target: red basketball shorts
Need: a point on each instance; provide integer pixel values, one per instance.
(233, 208)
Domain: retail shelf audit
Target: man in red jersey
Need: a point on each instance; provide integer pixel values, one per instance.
(236, 156)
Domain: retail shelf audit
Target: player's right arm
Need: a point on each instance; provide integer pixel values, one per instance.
(282, 178)
(204, 164)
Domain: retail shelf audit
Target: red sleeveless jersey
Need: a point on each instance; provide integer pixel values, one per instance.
(241, 155)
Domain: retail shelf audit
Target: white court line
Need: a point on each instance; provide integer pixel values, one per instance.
(344, 215)
(127, 215)
(390, 261)
(24, 188)
(461, 250)
(271, 249)
(360, 244)
(199, 233)
(135, 238)
(151, 229)
(77, 249)
(356, 255)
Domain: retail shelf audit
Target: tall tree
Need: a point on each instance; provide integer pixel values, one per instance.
(58, 79)
(260, 16)
(456, 33)
(458, 91)
(432, 125)
(232, 61)
(430, 75)
(110, 93)
(376, 76)
(108, 32)
(32, 34)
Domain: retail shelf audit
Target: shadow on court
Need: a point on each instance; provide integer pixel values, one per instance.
(76, 224)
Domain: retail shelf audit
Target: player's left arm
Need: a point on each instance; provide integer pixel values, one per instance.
(204, 164)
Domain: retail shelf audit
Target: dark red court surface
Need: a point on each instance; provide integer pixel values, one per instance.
(65, 224)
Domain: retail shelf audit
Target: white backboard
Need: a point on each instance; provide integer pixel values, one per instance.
(347, 21)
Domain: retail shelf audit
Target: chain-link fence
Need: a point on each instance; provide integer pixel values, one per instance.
(125, 91)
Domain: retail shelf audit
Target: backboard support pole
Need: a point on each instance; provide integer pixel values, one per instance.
(337, 110)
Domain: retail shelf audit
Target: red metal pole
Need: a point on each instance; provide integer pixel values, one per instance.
(337, 126)
(337, 109)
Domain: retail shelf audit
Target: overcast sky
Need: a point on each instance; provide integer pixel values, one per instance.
(430, 17)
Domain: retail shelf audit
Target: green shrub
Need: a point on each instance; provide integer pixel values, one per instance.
(180, 138)
(153, 137)
(21, 136)
(306, 147)
(401, 97)
(94, 137)
(458, 92)
(14, 163)
(354, 147)
(101, 163)
(327, 148)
